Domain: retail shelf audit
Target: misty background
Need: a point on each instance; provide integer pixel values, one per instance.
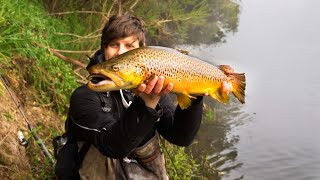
(277, 46)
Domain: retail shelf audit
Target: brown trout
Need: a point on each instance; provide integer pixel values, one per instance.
(190, 76)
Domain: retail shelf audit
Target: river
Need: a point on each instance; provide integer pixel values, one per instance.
(275, 135)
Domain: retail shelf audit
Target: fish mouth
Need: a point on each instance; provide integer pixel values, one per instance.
(103, 82)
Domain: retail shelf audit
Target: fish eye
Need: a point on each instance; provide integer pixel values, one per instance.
(115, 68)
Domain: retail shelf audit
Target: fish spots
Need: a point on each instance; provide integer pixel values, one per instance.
(148, 62)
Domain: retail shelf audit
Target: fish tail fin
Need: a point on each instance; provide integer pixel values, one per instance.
(184, 100)
(239, 86)
(238, 81)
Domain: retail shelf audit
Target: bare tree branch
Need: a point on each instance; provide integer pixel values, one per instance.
(78, 36)
(77, 12)
(110, 9)
(61, 56)
(119, 6)
(104, 8)
(5, 167)
(134, 4)
(9, 129)
(68, 59)
(82, 80)
(73, 52)
(170, 20)
(78, 41)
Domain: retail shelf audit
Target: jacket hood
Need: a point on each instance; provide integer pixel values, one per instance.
(97, 58)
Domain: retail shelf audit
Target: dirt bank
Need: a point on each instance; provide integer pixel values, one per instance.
(16, 161)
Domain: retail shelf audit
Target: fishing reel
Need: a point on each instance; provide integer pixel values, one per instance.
(22, 139)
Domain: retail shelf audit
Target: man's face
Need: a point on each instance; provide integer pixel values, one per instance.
(120, 46)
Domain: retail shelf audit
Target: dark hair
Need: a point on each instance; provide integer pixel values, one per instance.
(121, 26)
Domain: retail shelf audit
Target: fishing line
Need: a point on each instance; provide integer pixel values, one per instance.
(171, 159)
(31, 128)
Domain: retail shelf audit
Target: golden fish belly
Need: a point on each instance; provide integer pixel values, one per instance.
(195, 87)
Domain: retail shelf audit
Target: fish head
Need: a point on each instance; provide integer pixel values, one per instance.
(121, 72)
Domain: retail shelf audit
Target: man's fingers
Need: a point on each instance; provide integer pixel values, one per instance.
(151, 85)
(139, 89)
(225, 87)
(154, 86)
(230, 86)
(159, 85)
(167, 89)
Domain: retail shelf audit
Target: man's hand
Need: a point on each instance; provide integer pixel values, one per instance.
(226, 88)
(152, 91)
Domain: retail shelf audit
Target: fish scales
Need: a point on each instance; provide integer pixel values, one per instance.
(190, 76)
(183, 69)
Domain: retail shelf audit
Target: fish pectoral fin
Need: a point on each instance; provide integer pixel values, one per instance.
(223, 98)
(184, 100)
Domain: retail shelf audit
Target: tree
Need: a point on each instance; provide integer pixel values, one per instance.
(169, 22)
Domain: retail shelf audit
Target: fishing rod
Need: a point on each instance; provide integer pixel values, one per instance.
(30, 126)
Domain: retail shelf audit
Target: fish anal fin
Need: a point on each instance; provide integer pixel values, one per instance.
(221, 97)
(184, 100)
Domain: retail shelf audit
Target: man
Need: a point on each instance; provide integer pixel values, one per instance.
(120, 129)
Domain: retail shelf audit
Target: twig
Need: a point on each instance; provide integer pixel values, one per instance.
(78, 36)
(73, 52)
(79, 12)
(133, 5)
(77, 41)
(119, 7)
(103, 9)
(164, 21)
(6, 167)
(83, 79)
(95, 32)
(61, 56)
(109, 12)
(69, 59)
(170, 20)
(5, 137)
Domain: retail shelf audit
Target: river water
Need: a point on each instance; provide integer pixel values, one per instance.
(275, 135)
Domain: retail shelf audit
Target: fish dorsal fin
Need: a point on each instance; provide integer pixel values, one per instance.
(226, 69)
(184, 100)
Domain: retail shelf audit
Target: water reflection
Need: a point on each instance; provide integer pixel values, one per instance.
(214, 147)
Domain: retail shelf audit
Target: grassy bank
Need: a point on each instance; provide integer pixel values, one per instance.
(23, 27)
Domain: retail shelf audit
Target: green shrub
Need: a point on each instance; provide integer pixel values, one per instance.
(24, 29)
(179, 164)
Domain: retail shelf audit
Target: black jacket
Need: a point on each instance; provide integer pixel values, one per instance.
(102, 120)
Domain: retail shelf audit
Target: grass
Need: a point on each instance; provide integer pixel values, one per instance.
(179, 164)
(24, 25)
